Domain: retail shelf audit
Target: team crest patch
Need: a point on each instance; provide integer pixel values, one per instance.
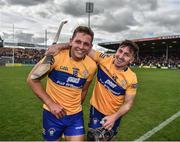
(134, 86)
(85, 73)
(123, 83)
(51, 131)
(75, 71)
(95, 121)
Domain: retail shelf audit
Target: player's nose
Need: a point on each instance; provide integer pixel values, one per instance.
(81, 46)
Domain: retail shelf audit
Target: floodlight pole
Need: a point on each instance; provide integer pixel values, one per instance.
(45, 39)
(89, 10)
(89, 19)
(13, 45)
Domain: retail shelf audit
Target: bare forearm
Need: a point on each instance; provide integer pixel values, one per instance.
(128, 103)
(39, 91)
(123, 110)
(56, 48)
(109, 120)
(91, 53)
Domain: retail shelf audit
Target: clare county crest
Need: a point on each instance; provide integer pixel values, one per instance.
(51, 131)
(123, 83)
(75, 71)
(95, 121)
(85, 73)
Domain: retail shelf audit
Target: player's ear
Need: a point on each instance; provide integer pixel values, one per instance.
(70, 41)
(132, 60)
(91, 45)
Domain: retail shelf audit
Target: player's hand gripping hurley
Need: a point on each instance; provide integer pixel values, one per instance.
(44, 66)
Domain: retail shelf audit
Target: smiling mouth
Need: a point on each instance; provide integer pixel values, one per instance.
(79, 51)
(120, 60)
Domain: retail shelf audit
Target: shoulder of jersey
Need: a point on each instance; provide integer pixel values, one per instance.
(102, 55)
(131, 73)
(65, 51)
(90, 61)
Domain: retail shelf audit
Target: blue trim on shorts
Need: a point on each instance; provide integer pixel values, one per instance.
(96, 117)
(69, 125)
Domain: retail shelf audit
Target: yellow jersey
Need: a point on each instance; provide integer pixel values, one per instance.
(111, 85)
(66, 80)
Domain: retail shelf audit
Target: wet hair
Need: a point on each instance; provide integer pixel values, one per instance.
(83, 29)
(133, 47)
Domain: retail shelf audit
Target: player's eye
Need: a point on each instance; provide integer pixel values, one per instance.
(78, 41)
(86, 44)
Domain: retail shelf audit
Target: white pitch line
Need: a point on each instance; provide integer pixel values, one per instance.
(159, 127)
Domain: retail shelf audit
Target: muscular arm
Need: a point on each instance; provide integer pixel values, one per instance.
(129, 99)
(92, 53)
(56, 48)
(40, 92)
(110, 120)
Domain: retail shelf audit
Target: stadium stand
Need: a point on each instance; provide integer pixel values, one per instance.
(23, 56)
(158, 52)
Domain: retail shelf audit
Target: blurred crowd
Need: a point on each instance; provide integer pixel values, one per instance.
(158, 61)
(24, 56)
(32, 56)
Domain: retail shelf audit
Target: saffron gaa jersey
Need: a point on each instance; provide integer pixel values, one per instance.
(66, 80)
(111, 85)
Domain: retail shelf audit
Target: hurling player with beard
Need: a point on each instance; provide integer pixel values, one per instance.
(115, 88)
(67, 84)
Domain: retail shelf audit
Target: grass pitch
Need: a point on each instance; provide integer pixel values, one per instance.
(158, 99)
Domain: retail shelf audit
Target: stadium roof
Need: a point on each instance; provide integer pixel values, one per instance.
(171, 41)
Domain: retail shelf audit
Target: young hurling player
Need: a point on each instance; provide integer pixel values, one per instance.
(67, 85)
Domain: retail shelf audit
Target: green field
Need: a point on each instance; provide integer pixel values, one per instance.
(158, 99)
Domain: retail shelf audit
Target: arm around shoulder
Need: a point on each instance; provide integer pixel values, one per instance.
(92, 53)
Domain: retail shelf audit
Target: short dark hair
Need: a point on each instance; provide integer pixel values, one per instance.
(83, 29)
(133, 47)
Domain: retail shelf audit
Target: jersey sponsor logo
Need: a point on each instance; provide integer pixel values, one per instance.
(112, 91)
(73, 79)
(109, 83)
(66, 79)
